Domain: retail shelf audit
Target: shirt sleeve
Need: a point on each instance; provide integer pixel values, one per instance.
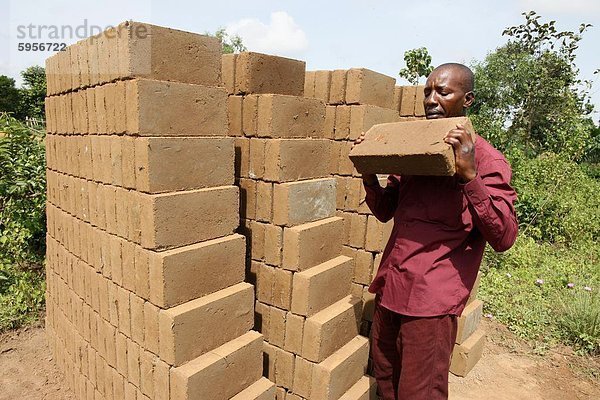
(383, 201)
(491, 202)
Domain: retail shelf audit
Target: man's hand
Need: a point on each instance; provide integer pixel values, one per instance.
(369, 179)
(464, 151)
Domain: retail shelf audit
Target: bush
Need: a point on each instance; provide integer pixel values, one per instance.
(579, 318)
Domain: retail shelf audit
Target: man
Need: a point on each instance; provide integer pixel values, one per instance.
(429, 266)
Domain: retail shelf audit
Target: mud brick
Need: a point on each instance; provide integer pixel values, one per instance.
(273, 245)
(181, 218)
(363, 117)
(130, 391)
(183, 329)
(358, 228)
(234, 115)
(257, 158)
(276, 326)
(322, 85)
(121, 349)
(378, 234)
(364, 389)
(336, 374)
(128, 259)
(261, 318)
(118, 385)
(256, 232)
(284, 368)
(354, 190)
(228, 72)
(397, 99)
(161, 380)
(469, 321)
(128, 161)
(305, 201)
(122, 209)
(407, 104)
(124, 311)
(148, 51)
(201, 110)
(321, 286)
(110, 98)
(330, 329)
(242, 157)
(147, 373)
(281, 116)
(395, 148)
(100, 108)
(221, 373)
(250, 115)
(303, 377)
(51, 72)
(467, 354)
(294, 331)
(111, 352)
(364, 86)
(337, 92)
(475, 289)
(282, 288)
(247, 198)
(173, 273)
(109, 193)
(113, 303)
(142, 274)
(309, 84)
(263, 389)
(329, 124)
(363, 264)
(74, 66)
(159, 168)
(342, 122)
(265, 281)
(120, 107)
(310, 244)
(295, 159)
(92, 53)
(103, 56)
(262, 73)
(136, 306)
(345, 165)
(419, 102)
(264, 201)
(368, 305)
(106, 167)
(85, 154)
(133, 362)
(334, 161)
(103, 298)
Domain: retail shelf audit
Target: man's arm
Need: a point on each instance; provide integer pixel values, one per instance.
(382, 201)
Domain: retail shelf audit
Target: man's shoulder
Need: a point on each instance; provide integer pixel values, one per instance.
(485, 152)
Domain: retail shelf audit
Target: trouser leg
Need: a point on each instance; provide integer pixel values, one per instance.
(384, 351)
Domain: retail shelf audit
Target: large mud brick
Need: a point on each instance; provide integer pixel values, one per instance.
(263, 389)
(228, 72)
(407, 102)
(419, 102)
(263, 73)
(411, 148)
(340, 371)
(397, 99)
(294, 331)
(154, 52)
(193, 271)
(296, 203)
(330, 329)
(364, 86)
(295, 159)
(182, 218)
(221, 373)
(281, 116)
(364, 389)
(187, 330)
(308, 245)
(322, 85)
(469, 321)
(200, 110)
(363, 117)
(322, 285)
(309, 84)
(337, 91)
(235, 115)
(303, 377)
(467, 354)
(169, 164)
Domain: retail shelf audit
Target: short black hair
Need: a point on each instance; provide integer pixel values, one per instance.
(469, 79)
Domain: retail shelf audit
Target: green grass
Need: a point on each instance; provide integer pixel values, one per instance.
(21, 296)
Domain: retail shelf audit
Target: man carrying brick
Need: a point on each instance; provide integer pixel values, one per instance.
(429, 266)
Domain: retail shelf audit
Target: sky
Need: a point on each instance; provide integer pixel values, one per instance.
(326, 34)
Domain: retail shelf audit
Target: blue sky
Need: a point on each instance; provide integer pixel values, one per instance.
(327, 35)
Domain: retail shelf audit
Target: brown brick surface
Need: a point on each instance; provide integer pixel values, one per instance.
(364, 389)
(466, 355)
(263, 73)
(469, 321)
(228, 72)
(296, 203)
(364, 86)
(289, 160)
(281, 116)
(262, 389)
(407, 102)
(308, 245)
(337, 92)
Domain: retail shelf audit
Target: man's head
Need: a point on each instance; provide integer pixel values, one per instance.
(448, 91)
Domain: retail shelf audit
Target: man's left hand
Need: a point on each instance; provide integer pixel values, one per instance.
(464, 151)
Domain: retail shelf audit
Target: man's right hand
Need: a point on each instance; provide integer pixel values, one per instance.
(368, 179)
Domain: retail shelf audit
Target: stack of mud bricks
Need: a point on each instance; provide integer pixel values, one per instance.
(146, 296)
(304, 305)
(357, 99)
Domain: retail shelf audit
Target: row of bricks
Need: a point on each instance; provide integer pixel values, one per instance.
(134, 364)
(249, 72)
(146, 164)
(163, 278)
(140, 107)
(353, 86)
(178, 334)
(135, 49)
(158, 221)
(328, 380)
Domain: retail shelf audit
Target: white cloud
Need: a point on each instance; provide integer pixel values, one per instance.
(281, 36)
(585, 7)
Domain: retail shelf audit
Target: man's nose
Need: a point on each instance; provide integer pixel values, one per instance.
(430, 100)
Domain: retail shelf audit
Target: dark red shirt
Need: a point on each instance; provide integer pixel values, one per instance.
(431, 261)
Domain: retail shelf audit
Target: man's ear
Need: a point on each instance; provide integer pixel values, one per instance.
(469, 99)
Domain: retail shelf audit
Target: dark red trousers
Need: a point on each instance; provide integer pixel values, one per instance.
(411, 355)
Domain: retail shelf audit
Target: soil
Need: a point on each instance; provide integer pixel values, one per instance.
(508, 370)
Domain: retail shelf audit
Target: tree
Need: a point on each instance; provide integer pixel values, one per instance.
(9, 95)
(231, 44)
(418, 63)
(33, 92)
(529, 95)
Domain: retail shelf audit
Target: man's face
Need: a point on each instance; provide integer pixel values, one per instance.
(445, 95)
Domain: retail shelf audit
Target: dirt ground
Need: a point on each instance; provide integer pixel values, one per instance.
(507, 371)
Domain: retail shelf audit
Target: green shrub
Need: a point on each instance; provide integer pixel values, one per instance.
(579, 319)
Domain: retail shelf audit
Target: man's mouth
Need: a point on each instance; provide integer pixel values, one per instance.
(432, 114)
